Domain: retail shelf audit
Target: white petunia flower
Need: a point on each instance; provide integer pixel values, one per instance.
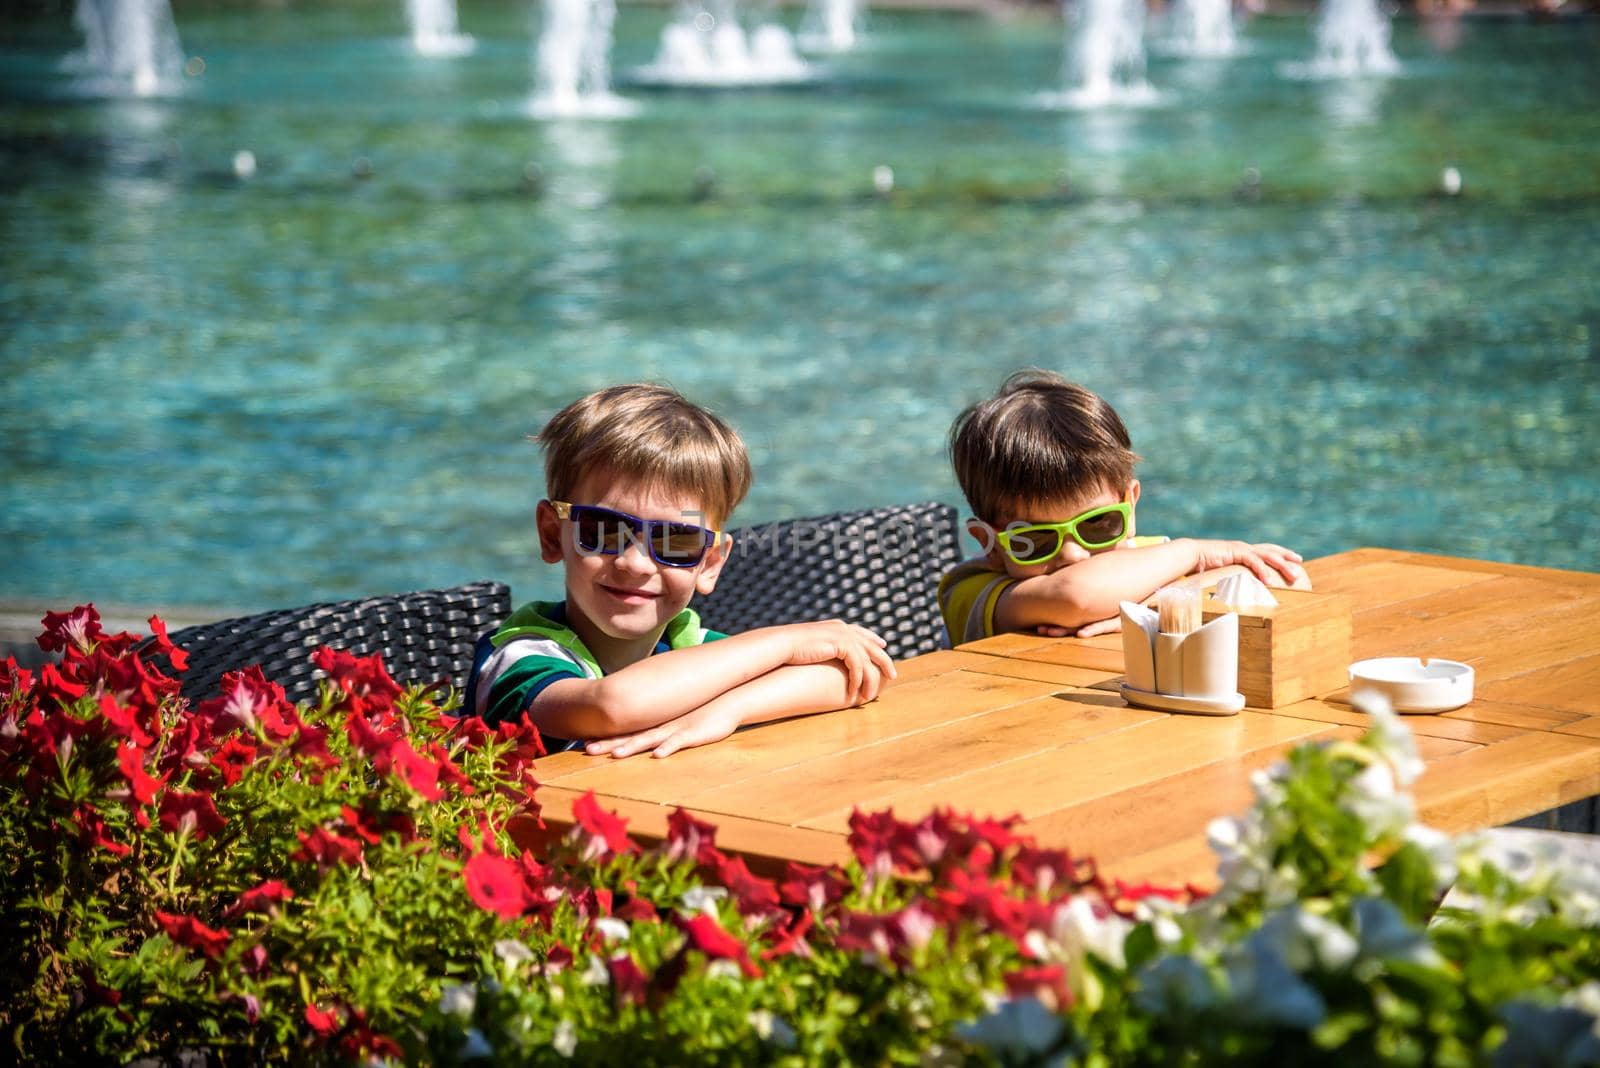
(612, 929)
(1391, 738)
(595, 972)
(459, 999)
(512, 952)
(565, 1040)
(703, 899)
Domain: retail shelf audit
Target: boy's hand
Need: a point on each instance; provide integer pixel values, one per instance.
(861, 653)
(1272, 564)
(702, 726)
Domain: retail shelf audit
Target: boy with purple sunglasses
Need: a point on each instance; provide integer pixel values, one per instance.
(640, 482)
(1047, 468)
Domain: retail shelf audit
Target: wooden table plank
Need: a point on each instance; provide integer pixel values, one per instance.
(1499, 783)
(1386, 582)
(758, 751)
(867, 777)
(1059, 776)
(1570, 687)
(1481, 732)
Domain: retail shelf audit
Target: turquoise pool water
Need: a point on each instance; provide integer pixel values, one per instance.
(305, 385)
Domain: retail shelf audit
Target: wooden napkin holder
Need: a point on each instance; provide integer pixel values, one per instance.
(1297, 649)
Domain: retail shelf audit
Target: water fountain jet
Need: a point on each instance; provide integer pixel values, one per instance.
(709, 47)
(1104, 57)
(1202, 29)
(829, 26)
(433, 29)
(130, 47)
(1352, 41)
(572, 62)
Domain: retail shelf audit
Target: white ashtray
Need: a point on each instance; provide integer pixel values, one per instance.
(1413, 684)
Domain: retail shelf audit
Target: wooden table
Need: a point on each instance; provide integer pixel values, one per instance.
(1022, 724)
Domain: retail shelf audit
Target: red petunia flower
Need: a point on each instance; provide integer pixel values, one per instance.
(263, 899)
(755, 896)
(326, 848)
(1047, 982)
(814, 888)
(78, 629)
(416, 771)
(130, 759)
(606, 831)
(496, 885)
(175, 656)
(55, 690)
(92, 831)
(691, 838)
(124, 720)
(708, 936)
(366, 686)
(324, 1021)
(627, 981)
(188, 931)
(791, 939)
(232, 758)
(195, 811)
(250, 702)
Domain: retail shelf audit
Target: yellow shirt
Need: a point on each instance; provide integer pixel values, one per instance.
(969, 592)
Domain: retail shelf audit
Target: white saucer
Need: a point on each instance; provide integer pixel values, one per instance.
(1197, 706)
(1412, 685)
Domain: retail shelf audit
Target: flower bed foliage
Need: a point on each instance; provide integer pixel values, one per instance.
(335, 882)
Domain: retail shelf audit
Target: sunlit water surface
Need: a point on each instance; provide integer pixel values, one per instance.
(310, 385)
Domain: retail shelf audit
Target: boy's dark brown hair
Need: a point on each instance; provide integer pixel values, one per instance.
(1040, 438)
(652, 435)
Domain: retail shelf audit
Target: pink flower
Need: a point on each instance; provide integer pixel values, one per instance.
(195, 811)
(188, 931)
(496, 885)
(607, 832)
(708, 936)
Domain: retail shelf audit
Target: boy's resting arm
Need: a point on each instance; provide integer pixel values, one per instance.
(1090, 590)
(792, 690)
(665, 686)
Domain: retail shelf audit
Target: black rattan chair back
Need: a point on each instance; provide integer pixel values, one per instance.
(423, 636)
(879, 568)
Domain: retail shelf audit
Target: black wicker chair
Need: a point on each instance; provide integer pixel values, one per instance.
(879, 568)
(423, 636)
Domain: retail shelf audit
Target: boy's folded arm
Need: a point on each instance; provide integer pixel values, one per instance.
(656, 689)
(791, 690)
(665, 686)
(1090, 590)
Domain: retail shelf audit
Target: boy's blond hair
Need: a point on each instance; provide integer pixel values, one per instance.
(652, 435)
(1040, 438)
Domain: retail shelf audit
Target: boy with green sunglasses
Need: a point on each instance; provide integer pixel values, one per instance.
(1047, 467)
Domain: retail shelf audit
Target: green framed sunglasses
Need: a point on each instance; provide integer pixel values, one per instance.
(1098, 528)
